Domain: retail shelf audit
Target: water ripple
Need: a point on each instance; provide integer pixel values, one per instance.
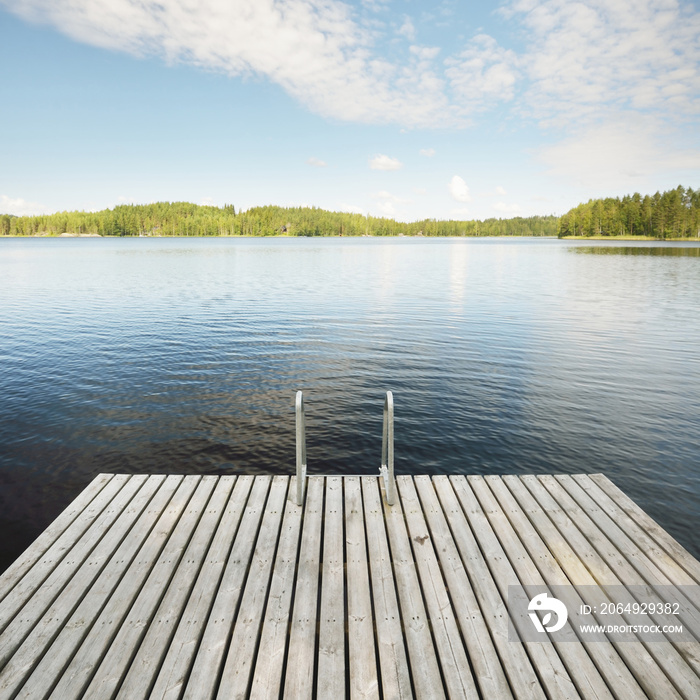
(503, 356)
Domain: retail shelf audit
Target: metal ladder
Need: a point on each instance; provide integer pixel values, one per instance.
(386, 470)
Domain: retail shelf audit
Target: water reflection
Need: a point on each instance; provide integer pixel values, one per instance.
(681, 251)
(504, 356)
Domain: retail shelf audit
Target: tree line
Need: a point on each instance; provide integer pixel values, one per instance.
(672, 214)
(185, 219)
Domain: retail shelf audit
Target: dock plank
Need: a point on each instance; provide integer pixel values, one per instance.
(81, 601)
(637, 657)
(222, 586)
(362, 667)
(171, 674)
(331, 633)
(85, 507)
(202, 681)
(679, 553)
(51, 572)
(607, 563)
(85, 638)
(395, 675)
(24, 640)
(422, 657)
(488, 670)
(627, 562)
(269, 668)
(509, 563)
(517, 667)
(236, 676)
(546, 567)
(641, 550)
(299, 678)
(452, 655)
(151, 621)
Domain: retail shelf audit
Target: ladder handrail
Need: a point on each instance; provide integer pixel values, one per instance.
(301, 446)
(387, 468)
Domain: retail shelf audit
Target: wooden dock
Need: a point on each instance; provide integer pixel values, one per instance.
(223, 587)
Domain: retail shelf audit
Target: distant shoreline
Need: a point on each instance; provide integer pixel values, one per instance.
(275, 236)
(626, 238)
(61, 235)
(649, 239)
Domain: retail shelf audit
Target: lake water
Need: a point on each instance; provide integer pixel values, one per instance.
(504, 356)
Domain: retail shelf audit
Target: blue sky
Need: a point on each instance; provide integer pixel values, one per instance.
(391, 107)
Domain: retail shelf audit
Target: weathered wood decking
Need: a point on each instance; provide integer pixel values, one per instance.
(222, 587)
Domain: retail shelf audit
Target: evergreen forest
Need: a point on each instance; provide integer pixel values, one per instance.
(672, 214)
(184, 219)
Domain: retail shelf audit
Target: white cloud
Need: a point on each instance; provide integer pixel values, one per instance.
(20, 207)
(407, 29)
(578, 67)
(458, 189)
(351, 209)
(504, 208)
(578, 57)
(500, 191)
(319, 51)
(611, 55)
(640, 54)
(620, 82)
(386, 202)
(460, 213)
(382, 162)
(427, 152)
(376, 5)
(425, 53)
(483, 73)
(625, 153)
(316, 162)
